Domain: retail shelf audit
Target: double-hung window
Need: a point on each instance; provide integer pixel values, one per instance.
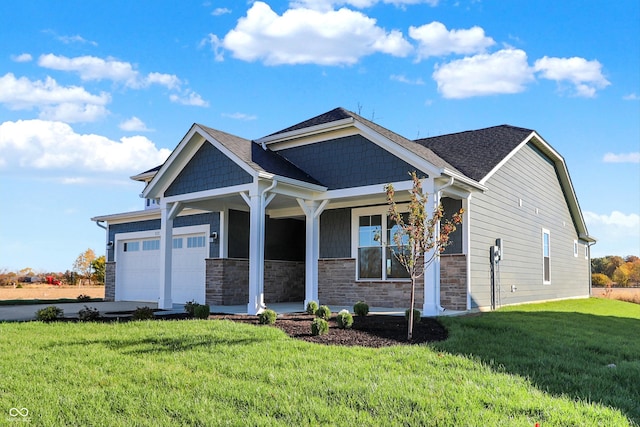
(374, 245)
(546, 257)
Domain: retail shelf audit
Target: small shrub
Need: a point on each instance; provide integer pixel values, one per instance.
(323, 312)
(190, 307)
(344, 319)
(83, 298)
(202, 311)
(416, 315)
(142, 313)
(267, 317)
(88, 314)
(50, 313)
(312, 307)
(361, 308)
(319, 326)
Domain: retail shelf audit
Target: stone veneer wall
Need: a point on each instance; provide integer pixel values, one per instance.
(453, 281)
(227, 281)
(337, 285)
(110, 281)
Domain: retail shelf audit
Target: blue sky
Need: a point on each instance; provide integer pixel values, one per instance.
(94, 92)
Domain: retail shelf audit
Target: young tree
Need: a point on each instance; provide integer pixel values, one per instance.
(82, 265)
(99, 267)
(418, 238)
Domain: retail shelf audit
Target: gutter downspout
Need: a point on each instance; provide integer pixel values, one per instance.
(440, 308)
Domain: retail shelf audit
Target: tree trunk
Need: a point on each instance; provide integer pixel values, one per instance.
(413, 297)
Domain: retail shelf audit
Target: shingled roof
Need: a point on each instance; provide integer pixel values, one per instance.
(477, 152)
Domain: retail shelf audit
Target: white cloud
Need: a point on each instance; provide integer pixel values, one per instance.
(403, 79)
(586, 76)
(240, 116)
(622, 158)
(631, 97)
(171, 81)
(23, 57)
(216, 46)
(68, 103)
(134, 124)
(502, 72)
(189, 98)
(435, 40)
(616, 218)
(93, 68)
(220, 11)
(307, 36)
(52, 145)
(617, 233)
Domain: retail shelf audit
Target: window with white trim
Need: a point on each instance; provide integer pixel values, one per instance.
(177, 243)
(586, 251)
(375, 246)
(575, 248)
(546, 257)
(195, 242)
(151, 245)
(131, 246)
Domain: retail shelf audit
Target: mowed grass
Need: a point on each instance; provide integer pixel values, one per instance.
(222, 373)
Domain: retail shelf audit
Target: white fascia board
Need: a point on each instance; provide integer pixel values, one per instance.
(375, 189)
(399, 151)
(144, 177)
(129, 216)
(210, 194)
(304, 132)
(148, 214)
(226, 151)
(292, 182)
(463, 180)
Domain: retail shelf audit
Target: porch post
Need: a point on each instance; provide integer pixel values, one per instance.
(431, 306)
(167, 213)
(256, 255)
(312, 210)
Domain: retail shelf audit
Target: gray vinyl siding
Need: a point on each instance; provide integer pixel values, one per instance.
(351, 161)
(531, 177)
(209, 168)
(211, 218)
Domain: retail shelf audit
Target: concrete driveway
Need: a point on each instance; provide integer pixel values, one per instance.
(20, 313)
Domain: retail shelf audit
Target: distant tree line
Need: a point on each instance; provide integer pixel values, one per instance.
(87, 269)
(615, 270)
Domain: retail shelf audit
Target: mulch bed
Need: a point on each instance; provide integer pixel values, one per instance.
(369, 331)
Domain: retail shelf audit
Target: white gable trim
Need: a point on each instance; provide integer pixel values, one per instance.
(563, 175)
(298, 134)
(183, 153)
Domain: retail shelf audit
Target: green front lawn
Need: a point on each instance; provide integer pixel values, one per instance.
(544, 363)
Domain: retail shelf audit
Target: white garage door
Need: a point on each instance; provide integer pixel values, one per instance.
(138, 267)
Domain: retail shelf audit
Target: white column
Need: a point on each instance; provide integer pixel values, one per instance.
(431, 306)
(466, 248)
(256, 255)
(166, 249)
(312, 210)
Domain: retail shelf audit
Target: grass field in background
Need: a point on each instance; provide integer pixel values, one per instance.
(543, 363)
